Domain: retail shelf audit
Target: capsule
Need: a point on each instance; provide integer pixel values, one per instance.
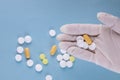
(27, 53)
(53, 50)
(87, 39)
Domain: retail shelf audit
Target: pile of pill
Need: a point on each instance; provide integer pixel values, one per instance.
(43, 58)
(85, 42)
(65, 60)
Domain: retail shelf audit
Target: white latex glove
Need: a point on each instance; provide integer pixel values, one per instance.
(106, 36)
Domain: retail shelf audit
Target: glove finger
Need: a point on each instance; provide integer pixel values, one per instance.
(65, 37)
(107, 19)
(80, 29)
(80, 53)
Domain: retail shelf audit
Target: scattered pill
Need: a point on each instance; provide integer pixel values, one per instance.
(53, 50)
(69, 64)
(52, 33)
(27, 53)
(66, 57)
(63, 51)
(28, 39)
(92, 46)
(20, 49)
(30, 63)
(72, 58)
(87, 39)
(48, 77)
(59, 57)
(62, 64)
(42, 56)
(80, 38)
(21, 40)
(38, 67)
(45, 61)
(18, 58)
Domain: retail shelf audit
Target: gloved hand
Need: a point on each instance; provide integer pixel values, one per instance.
(106, 36)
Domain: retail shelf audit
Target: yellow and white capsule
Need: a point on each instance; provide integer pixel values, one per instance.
(27, 53)
(53, 50)
(87, 39)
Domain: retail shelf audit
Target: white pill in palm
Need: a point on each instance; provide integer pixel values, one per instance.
(21, 40)
(20, 49)
(79, 38)
(59, 57)
(69, 64)
(62, 64)
(85, 45)
(52, 33)
(80, 44)
(38, 67)
(92, 46)
(63, 51)
(66, 57)
(28, 39)
(30, 63)
(18, 58)
(48, 77)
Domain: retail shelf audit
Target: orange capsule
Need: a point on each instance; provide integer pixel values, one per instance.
(27, 53)
(87, 39)
(53, 50)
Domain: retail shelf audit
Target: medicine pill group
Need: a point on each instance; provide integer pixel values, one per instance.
(85, 42)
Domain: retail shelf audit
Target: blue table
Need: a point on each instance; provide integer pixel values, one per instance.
(36, 17)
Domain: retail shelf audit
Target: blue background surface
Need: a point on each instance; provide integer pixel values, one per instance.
(36, 17)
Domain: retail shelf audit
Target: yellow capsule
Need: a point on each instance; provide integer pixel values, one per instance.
(27, 53)
(42, 56)
(53, 50)
(72, 58)
(45, 61)
(87, 39)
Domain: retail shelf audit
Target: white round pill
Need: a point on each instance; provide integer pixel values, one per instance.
(85, 45)
(80, 43)
(92, 46)
(28, 39)
(63, 51)
(48, 77)
(30, 63)
(38, 67)
(21, 40)
(20, 49)
(62, 64)
(59, 57)
(52, 33)
(79, 38)
(18, 58)
(69, 64)
(66, 57)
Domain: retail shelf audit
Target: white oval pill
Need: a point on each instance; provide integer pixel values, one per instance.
(62, 64)
(38, 67)
(20, 49)
(59, 57)
(92, 46)
(69, 64)
(18, 58)
(66, 57)
(80, 44)
(63, 51)
(48, 77)
(28, 39)
(30, 63)
(21, 40)
(52, 33)
(79, 38)
(85, 45)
